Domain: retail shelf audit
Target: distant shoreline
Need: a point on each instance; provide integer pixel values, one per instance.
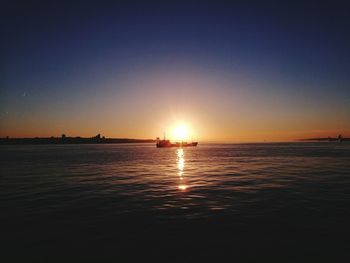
(328, 139)
(70, 140)
(102, 140)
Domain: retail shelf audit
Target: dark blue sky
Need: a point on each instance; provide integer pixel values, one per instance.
(60, 58)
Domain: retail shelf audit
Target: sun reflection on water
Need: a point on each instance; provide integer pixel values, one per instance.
(180, 166)
(182, 187)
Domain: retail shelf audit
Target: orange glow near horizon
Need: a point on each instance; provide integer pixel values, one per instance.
(212, 108)
(223, 129)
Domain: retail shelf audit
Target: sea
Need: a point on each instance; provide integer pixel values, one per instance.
(266, 202)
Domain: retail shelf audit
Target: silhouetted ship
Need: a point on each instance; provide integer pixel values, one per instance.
(166, 143)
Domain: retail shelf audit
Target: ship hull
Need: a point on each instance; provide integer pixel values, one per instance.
(169, 145)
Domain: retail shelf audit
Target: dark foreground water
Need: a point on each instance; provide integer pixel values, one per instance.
(130, 203)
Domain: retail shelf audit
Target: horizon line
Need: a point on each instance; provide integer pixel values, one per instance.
(98, 136)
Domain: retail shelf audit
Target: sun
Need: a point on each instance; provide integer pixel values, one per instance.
(180, 132)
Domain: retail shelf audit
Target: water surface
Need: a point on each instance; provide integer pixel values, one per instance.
(285, 202)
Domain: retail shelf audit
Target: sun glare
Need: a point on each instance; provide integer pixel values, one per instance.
(180, 132)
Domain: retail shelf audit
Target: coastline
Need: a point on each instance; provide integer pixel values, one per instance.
(70, 140)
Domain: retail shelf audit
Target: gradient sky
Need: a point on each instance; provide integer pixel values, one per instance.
(232, 72)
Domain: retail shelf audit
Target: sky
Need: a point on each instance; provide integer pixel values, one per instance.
(229, 71)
